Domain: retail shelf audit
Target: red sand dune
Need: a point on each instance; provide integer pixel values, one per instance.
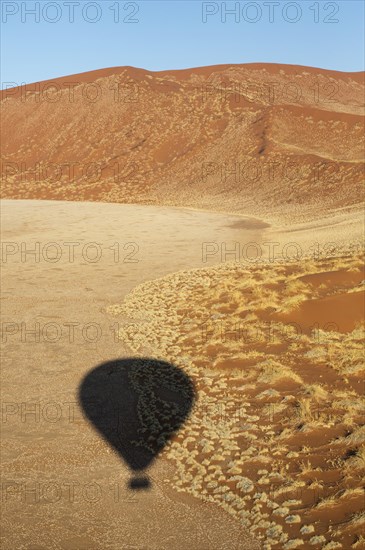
(264, 139)
(340, 313)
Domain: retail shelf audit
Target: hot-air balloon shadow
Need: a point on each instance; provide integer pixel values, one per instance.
(137, 405)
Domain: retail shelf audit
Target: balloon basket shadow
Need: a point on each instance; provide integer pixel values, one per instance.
(139, 483)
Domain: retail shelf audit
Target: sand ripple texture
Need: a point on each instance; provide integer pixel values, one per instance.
(276, 437)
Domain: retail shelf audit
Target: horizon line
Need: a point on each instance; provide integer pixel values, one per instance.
(194, 68)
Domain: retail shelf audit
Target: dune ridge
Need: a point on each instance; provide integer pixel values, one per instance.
(259, 139)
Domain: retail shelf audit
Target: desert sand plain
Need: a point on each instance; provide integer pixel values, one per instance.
(252, 285)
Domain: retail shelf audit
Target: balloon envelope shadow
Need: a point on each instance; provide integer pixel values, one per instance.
(137, 405)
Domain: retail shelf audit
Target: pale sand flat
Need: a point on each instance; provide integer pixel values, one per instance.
(68, 453)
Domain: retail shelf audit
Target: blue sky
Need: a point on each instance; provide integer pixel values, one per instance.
(173, 34)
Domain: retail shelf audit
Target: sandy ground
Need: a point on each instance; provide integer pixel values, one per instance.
(63, 488)
(276, 351)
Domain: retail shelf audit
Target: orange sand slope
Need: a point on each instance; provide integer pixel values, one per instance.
(277, 436)
(267, 140)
